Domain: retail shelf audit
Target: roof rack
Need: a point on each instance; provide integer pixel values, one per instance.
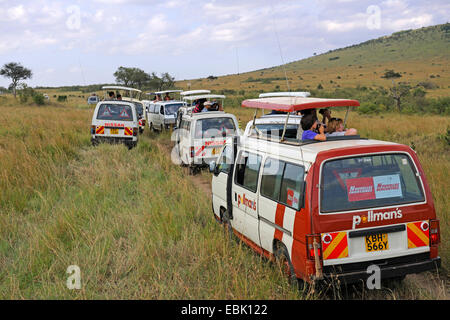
(303, 94)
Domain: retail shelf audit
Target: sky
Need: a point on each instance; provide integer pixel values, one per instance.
(84, 42)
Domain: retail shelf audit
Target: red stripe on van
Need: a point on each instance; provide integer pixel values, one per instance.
(199, 151)
(279, 216)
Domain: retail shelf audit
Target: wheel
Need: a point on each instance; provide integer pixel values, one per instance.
(226, 222)
(161, 129)
(282, 256)
(151, 127)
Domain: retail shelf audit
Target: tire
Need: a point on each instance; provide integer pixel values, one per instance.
(226, 222)
(282, 257)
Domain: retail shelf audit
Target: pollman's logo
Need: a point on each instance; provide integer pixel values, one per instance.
(246, 202)
(376, 216)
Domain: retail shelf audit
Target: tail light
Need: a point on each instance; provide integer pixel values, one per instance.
(92, 129)
(192, 152)
(313, 245)
(135, 131)
(435, 237)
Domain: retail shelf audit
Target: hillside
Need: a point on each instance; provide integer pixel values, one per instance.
(420, 55)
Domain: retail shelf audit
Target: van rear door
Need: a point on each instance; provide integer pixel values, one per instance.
(209, 137)
(371, 207)
(115, 120)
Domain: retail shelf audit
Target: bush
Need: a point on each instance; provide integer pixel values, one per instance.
(391, 74)
(369, 108)
(62, 98)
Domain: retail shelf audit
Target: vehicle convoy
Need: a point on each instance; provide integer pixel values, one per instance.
(115, 122)
(200, 136)
(327, 209)
(131, 95)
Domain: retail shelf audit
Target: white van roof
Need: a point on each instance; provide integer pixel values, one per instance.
(204, 96)
(186, 93)
(120, 88)
(308, 151)
(285, 94)
(165, 91)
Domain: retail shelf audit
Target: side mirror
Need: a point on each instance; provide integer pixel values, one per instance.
(212, 167)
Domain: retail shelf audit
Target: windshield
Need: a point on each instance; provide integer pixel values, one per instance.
(276, 130)
(369, 181)
(139, 108)
(214, 127)
(172, 108)
(118, 112)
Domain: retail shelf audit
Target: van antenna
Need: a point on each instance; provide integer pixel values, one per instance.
(279, 48)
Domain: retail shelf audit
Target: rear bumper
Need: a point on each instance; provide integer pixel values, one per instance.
(390, 268)
(114, 140)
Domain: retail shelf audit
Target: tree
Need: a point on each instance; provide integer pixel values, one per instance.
(397, 92)
(164, 82)
(131, 77)
(16, 72)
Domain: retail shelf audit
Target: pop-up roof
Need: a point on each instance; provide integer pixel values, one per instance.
(289, 104)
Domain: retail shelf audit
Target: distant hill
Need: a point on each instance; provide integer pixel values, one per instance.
(413, 56)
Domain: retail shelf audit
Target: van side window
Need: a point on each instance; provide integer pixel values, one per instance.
(291, 193)
(271, 179)
(225, 160)
(247, 170)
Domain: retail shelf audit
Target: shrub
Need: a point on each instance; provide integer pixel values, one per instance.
(62, 98)
(368, 108)
(391, 74)
(39, 99)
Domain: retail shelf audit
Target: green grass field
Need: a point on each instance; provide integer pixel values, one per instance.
(138, 228)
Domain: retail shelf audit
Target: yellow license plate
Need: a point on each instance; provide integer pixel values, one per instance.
(377, 242)
(114, 131)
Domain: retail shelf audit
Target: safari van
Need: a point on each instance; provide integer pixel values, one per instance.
(115, 122)
(200, 136)
(163, 114)
(130, 95)
(328, 210)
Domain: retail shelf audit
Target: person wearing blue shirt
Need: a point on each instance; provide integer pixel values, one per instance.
(309, 125)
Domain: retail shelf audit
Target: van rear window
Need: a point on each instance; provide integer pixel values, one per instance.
(368, 182)
(119, 112)
(214, 127)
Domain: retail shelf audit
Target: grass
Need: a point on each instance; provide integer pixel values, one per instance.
(133, 223)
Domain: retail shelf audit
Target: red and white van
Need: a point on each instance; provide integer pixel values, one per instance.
(328, 209)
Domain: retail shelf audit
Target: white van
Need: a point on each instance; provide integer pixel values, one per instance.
(329, 210)
(200, 136)
(272, 125)
(115, 122)
(162, 114)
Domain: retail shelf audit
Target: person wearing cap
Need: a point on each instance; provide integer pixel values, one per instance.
(207, 107)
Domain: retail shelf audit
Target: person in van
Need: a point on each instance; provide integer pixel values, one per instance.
(111, 95)
(310, 125)
(199, 106)
(167, 97)
(207, 106)
(335, 128)
(119, 97)
(326, 116)
(158, 97)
